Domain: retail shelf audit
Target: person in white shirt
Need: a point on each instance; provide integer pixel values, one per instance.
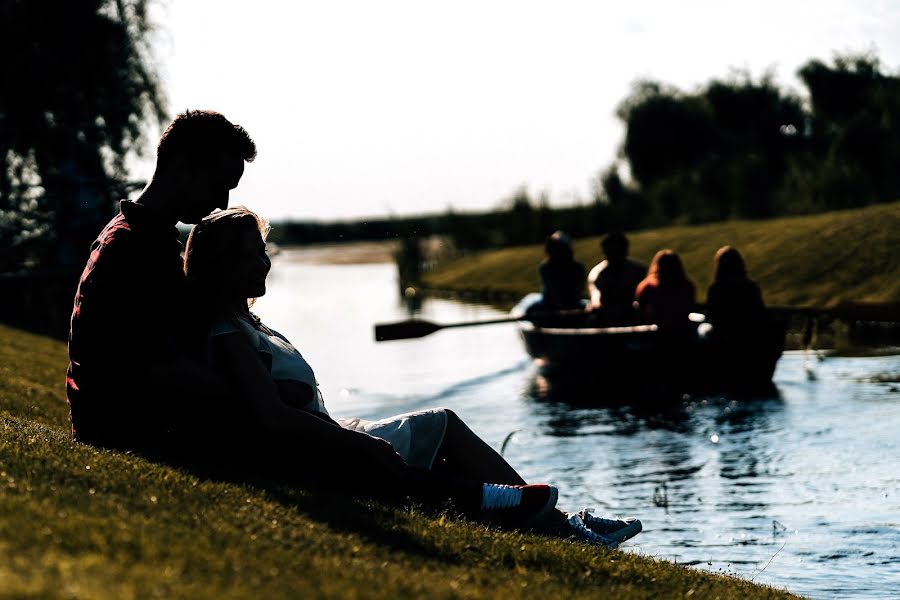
(613, 281)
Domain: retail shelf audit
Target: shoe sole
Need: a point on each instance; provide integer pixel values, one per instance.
(625, 533)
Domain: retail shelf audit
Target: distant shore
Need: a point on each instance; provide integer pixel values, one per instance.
(342, 253)
(814, 260)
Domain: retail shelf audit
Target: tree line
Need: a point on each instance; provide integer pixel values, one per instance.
(519, 220)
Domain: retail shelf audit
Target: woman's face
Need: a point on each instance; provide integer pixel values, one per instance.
(252, 265)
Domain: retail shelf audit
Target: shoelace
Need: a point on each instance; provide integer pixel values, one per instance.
(590, 519)
(576, 522)
(616, 529)
(498, 496)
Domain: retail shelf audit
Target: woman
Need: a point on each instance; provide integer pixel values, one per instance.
(745, 341)
(734, 303)
(278, 397)
(666, 295)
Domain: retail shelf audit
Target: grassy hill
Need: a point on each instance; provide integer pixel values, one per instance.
(817, 260)
(77, 522)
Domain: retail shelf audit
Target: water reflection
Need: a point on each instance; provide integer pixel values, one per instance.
(627, 411)
(672, 459)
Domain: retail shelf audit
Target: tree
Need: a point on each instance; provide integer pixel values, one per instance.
(720, 152)
(757, 130)
(666, 131)
(855, 128)
(78, 91)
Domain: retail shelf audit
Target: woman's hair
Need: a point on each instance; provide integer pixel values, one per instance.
(558, 247)
(213, 247)
(729, 264)
(666, 267)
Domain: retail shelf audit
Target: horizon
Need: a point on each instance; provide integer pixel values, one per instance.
(402, 110)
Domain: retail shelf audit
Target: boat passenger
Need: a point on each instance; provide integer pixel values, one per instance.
(430, 455)
(666, 295)
(562, 277)
(734, 303)
(745, 341)
(613, 281)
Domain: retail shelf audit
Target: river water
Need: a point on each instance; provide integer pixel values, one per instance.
(799, 489)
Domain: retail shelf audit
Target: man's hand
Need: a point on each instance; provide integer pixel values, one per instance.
(375, 453)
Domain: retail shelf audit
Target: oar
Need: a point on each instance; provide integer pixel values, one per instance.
(416, 328)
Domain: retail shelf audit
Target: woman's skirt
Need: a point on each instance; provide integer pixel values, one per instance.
(416, 436)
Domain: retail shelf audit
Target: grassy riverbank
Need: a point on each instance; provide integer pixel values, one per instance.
(817, 260)
(76, 522)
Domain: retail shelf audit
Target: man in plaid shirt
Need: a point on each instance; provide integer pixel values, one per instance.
(136, 372)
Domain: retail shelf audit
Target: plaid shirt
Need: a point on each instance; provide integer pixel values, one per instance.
(126, 319)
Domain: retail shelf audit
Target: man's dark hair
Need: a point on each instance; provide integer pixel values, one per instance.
(615, 245)
(201, 135)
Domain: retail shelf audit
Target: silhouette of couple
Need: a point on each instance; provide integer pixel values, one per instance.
(167, 359)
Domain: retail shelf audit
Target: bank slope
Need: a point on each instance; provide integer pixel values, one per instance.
(76, 522)
(817, 260)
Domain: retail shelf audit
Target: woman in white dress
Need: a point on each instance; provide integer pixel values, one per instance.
(429, 455)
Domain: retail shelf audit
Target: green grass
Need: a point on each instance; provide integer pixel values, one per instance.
(817, 260)
(77, 522)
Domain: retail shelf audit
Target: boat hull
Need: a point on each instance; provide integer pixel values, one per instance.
(646, 358)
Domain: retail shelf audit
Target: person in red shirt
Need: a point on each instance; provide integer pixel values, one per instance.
(666, 295)
(133, 358)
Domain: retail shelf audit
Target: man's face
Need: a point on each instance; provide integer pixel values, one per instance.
(206, 187)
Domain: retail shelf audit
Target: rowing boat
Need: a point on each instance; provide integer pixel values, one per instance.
(645, 356)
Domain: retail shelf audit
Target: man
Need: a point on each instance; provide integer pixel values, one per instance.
(612, 282)
(132, 360)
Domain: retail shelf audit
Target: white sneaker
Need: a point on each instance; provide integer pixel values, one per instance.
(618, 529)
(579, 531)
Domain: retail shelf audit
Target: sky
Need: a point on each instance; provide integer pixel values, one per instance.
(372, 109)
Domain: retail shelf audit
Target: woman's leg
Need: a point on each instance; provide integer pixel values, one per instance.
(464, 454)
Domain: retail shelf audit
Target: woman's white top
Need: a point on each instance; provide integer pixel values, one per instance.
(287, 362)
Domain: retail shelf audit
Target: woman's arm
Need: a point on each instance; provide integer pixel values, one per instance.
(593, 290)
(258, 395)
(642, 299)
